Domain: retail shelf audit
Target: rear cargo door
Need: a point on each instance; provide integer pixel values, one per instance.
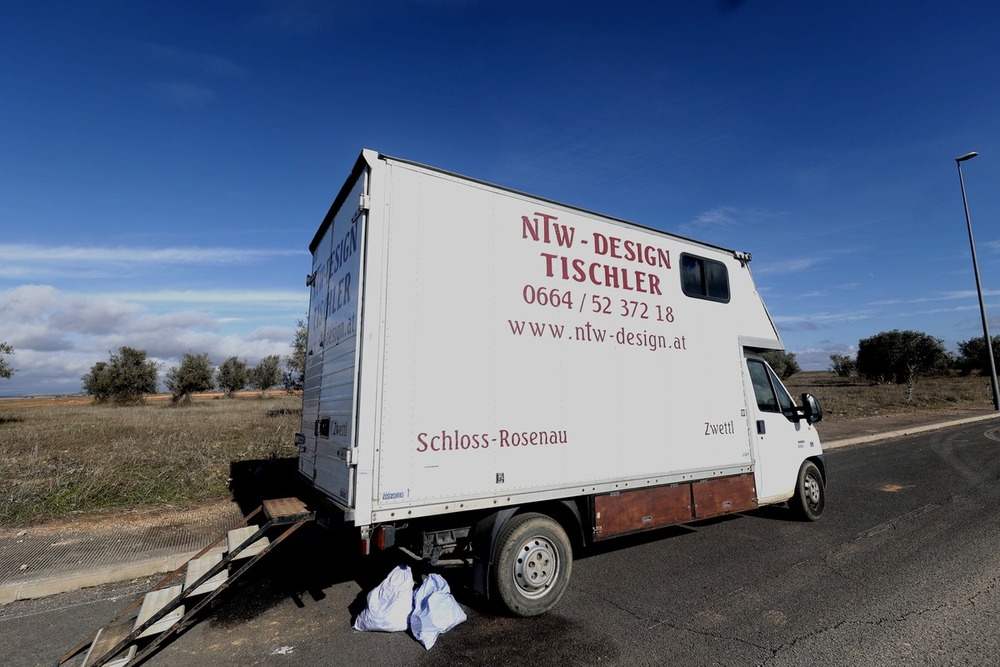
(336, 424)
(316, 332)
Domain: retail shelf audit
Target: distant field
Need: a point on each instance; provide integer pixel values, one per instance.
(65, 456)
(849, 398)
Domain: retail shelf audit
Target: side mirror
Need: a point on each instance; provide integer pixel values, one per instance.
(811, 409)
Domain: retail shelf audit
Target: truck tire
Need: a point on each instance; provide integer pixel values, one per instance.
(532, 563)
(810, 493)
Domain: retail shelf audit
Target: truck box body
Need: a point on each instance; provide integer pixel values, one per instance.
(471, 347)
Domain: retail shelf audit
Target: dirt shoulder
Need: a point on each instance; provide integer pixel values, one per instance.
(112, 521)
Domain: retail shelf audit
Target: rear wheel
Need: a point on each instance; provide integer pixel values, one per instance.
(532, 564)
(810, 493)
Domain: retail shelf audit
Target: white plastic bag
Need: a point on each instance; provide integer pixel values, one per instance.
(390, 604)
(435, 610)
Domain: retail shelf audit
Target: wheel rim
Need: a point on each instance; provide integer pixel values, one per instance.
(536, 567)
(812, 491)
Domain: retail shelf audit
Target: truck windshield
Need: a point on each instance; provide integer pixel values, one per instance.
(771, 395)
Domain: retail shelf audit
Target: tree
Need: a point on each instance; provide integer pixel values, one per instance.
(843, 365)
(972, 355)
(266, 374)
(194, 374)
(783, 363)
(231, 376)
(296, 362)
(901, 357)
(5, 370)
(125, 378)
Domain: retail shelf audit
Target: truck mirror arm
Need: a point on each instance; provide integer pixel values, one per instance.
(810, 410)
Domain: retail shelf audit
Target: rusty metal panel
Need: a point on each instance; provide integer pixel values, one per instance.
(714, 497)
(624, 512)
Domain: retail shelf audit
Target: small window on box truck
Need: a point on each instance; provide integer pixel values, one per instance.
(703, 278)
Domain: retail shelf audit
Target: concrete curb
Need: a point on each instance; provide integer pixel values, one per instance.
(105, 574)
(912, 430)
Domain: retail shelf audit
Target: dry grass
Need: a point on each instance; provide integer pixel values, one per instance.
(850, 398)
(59, 458)
(62, 457)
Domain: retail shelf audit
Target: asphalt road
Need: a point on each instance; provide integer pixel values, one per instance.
(903, 569)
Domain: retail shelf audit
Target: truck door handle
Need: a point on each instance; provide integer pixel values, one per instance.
(761, 429)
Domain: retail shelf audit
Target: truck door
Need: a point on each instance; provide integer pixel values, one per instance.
(313, 371)
(336, 420)
(781, 441)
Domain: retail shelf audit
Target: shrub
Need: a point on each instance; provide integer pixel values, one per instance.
(266, 374)
(781, 362)
(231, 376)
(972, 355)
(194, 374)
(5, 370)
(124, 379)
(901, 356)
(843, 365)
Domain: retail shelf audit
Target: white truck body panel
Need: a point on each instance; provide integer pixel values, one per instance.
(471, 347)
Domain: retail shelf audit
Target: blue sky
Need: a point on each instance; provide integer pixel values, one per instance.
(163, 167)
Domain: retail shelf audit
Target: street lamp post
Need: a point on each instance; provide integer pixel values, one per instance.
(979, 285)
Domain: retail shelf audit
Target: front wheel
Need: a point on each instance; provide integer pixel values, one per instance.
(532, 564)
(810, 493)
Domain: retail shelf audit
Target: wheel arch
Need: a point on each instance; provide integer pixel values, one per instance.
(567, 513)
(820, 461)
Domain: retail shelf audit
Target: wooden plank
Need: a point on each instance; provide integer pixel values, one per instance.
(286, 510)
(153, 602)
(106, 639)
(642, 509)
(724, 495)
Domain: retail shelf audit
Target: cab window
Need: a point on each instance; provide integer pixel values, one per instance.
(771, 395)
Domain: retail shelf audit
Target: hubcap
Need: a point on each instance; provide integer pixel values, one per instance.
(536, 567)
(812, 490)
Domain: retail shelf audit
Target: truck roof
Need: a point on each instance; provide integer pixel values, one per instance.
(366, 155)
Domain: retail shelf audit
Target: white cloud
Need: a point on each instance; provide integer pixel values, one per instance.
(721, 216)
(93, 316)
(816, 321)
(959, 295)
(295, 299)
(787, 266)
(206, 62)
(57, 336)
(272, 333)
(184, 94)
(29, 255)
(27, 301)
(723, 219)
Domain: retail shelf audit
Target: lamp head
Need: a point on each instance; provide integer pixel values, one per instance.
(967, 156)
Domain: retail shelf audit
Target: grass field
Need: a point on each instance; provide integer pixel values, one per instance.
(59, 457)
(63, 457)
(850, 398)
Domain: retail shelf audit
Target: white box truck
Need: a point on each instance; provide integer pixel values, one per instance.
(501, 379)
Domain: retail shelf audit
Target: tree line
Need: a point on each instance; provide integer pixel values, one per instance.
(128, 376)
(902, 356)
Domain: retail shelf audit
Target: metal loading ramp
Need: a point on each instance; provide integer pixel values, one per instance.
(172, 605)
